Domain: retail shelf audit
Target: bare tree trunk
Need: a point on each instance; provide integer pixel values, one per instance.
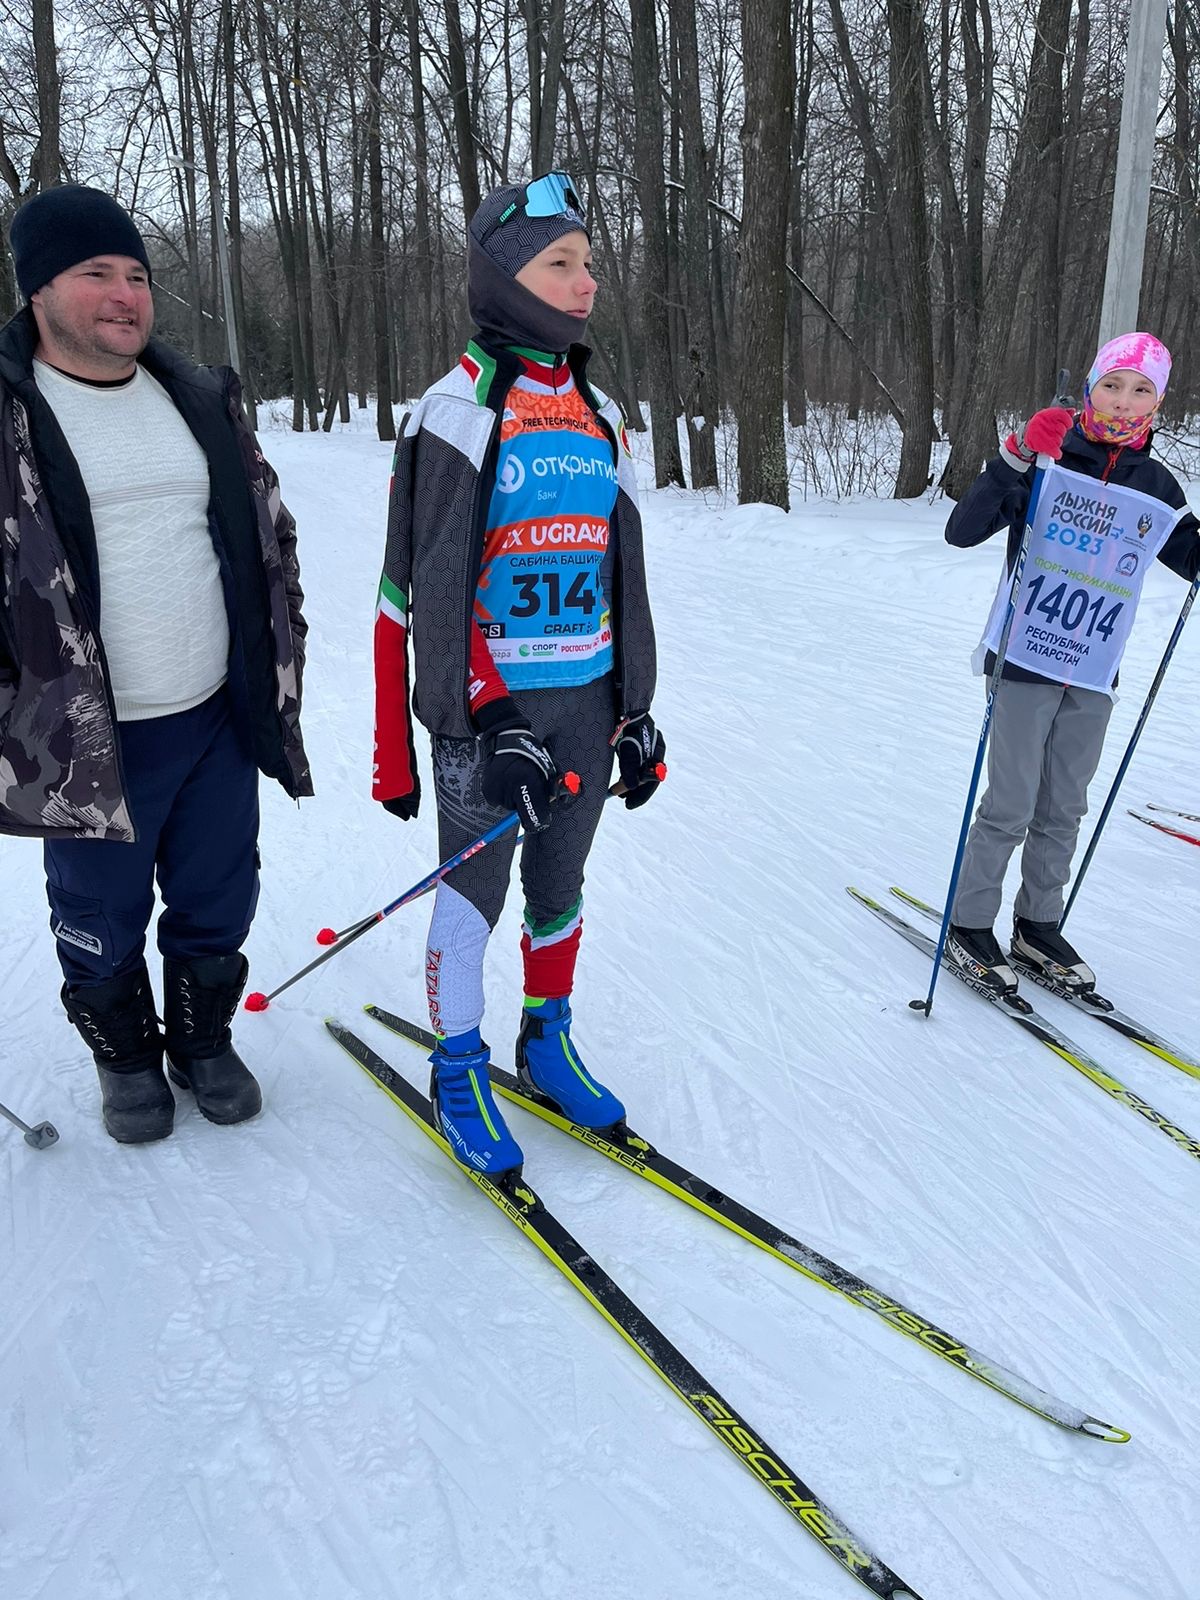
(550, 64)
(46, 167)
(464, 135)
(622, 370)
(797, 399)
(1021, 215)
(531, 11)
(385, 424)
(978, 63)
(860, 105)
(951, 235)
(664, 410)
(1182, 145)
(854, 402)
(233, 201)
(275, 170)
(701, 402)
(422, 219)
(337, 394)
(762, 277)
(910, 236)
(299, 180)
(185, 67)
(1074, 129)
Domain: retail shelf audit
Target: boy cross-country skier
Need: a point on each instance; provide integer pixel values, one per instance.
(514, 548)
(1104, 513)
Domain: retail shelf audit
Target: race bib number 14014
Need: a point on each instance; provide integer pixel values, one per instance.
(1090, 547)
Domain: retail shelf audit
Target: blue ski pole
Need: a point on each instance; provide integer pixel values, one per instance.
(1132, 746)
(1014, 588)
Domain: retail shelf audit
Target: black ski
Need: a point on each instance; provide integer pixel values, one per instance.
(1086, 1000)
(637, 1155)
(526, 1211)
(1170, 811)
(1024, 1015)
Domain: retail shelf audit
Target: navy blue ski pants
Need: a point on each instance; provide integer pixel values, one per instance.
(192, 788)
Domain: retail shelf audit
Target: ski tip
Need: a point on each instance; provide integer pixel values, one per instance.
(1105, 1432)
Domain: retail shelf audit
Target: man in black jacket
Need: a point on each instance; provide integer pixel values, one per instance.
(151, 646)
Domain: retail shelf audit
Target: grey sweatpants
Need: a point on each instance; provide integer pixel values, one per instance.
(1044, 748)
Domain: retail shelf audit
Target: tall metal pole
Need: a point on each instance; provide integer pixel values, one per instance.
(217, 201)
(1135, 158)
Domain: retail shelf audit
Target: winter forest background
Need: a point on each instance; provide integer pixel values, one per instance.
(890, 230)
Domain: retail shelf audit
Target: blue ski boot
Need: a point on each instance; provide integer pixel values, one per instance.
(547, 1061)
(464, 1112)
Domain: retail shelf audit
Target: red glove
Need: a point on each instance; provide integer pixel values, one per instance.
(1043, 434)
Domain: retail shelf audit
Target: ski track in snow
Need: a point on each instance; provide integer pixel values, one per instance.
(303, 1360)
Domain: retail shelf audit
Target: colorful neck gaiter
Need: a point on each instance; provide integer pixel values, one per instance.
(1114, 430)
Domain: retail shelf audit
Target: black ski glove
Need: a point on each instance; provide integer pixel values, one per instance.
(640, 750)
(405, 806)
(518, 771)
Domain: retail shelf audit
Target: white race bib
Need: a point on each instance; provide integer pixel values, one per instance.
(1090, 547)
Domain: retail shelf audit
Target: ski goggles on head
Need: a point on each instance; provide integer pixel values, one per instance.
(554, 195)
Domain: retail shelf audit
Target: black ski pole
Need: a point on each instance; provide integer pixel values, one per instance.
(1130, 748)
(44, 1134)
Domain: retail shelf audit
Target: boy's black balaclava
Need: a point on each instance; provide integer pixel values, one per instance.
(502, 309)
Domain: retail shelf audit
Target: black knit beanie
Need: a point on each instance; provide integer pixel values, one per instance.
(501, 307)
(61, 227)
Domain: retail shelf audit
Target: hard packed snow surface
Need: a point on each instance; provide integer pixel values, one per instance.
(304, 1359)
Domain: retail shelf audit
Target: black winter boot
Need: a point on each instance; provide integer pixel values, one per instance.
(118, 1023)
(201, 997)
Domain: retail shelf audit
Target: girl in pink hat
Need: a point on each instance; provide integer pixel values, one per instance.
(1106, 510)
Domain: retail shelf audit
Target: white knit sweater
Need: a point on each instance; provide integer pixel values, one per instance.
(163, 621)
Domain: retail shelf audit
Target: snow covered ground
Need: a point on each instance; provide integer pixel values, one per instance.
(303, 1359)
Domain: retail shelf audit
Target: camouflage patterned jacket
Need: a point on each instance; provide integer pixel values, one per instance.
(60, 764)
